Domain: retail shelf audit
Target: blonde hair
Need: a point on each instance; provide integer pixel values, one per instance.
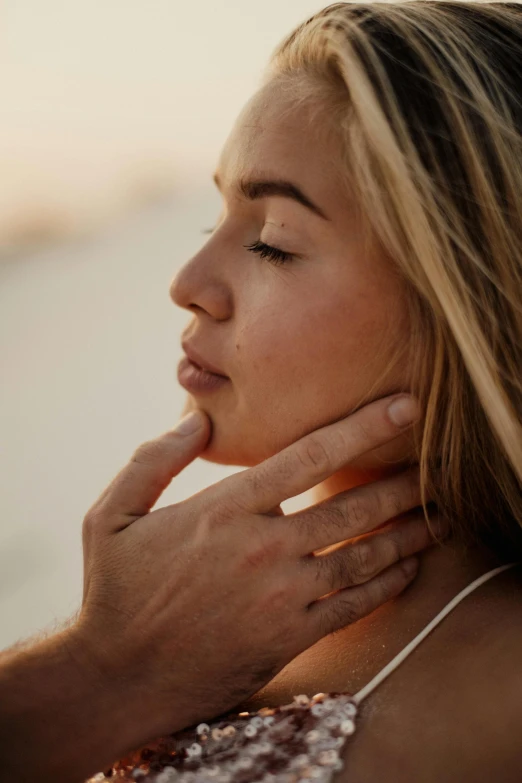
(426, 97)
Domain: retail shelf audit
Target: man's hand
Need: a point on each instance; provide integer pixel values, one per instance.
(192, 608)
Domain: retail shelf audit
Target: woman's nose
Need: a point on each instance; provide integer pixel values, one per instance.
(196, 288)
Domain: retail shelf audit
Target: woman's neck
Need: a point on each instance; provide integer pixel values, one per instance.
(444, 570)
(348, 659)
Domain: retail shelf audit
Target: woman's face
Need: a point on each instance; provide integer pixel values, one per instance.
(303, 342)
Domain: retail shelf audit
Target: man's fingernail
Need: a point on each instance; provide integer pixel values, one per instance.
(404, 410)
(189, 424)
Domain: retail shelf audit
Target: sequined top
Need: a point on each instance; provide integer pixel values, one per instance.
(297, 741)
(301, 742)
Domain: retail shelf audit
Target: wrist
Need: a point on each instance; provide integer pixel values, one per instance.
(56, 716)
(144, 701)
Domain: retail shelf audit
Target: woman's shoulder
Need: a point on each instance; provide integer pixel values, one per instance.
(452, 713)
(449, 714)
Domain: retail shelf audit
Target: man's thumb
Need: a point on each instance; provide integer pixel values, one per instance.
(138, 486)
(190, 423)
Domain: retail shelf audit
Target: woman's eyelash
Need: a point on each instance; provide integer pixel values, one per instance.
(272, 254)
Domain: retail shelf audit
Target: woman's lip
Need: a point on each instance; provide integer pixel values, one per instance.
(199, 361)
(195, 379)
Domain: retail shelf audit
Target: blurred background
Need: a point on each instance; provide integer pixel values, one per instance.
(112, 118)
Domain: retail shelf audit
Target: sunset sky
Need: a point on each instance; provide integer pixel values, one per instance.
(102, 101)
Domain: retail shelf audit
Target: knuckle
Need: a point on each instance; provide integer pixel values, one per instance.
(303, 526)
(334, 570)
(361, 562)
(347, 609)
(342, 575)
(285, 467)
(394, 503)
(90, 523)
(362, 433)
(148, 452)
(254, 479)
(392, 550)
(205, 520)
(354, 607)
(339, 615)
(390, 583)
(313, 453)
(218, 514)
(277, 600)
(321, 569)
(231, 506)
(358, 512)
(265, 550)
(336, 516)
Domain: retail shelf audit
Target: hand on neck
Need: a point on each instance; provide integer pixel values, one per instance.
(350, 658)
(444, 567)
(353, 655)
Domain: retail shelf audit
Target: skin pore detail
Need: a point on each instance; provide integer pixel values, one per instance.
(304, 343)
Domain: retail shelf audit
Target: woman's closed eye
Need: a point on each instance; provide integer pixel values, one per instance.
(272, 254)
(268, 252)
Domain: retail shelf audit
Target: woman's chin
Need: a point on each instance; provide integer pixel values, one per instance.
(233, 440)
(246, 446)
(223, 451)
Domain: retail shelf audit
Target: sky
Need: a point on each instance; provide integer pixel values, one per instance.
(105, 103)
(101, 99)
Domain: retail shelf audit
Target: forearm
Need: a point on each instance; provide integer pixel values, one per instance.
(57, 719)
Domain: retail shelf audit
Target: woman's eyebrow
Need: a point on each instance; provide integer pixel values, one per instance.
(255, 189)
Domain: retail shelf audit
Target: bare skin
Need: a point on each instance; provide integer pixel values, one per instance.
(156, 647)
(457, 696)
(303, 348)
(302, 343)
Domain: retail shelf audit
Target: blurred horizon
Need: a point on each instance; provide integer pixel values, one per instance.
(112, 122)
(108, 107)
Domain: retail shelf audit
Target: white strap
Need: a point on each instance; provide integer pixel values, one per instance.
(390, 667)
